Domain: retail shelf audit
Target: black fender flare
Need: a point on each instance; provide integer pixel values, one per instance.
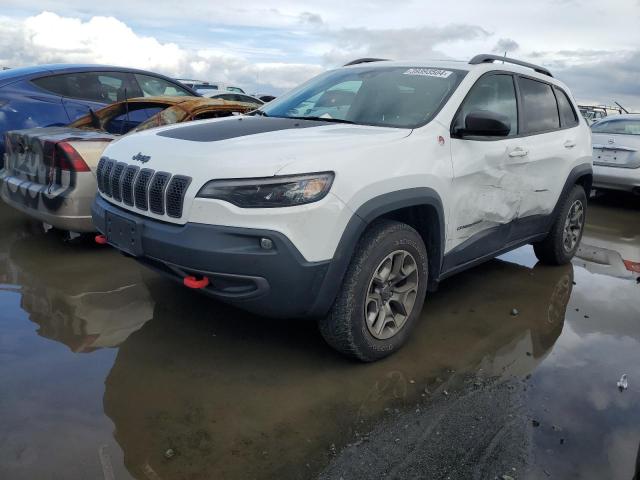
(577, 172)
(364, 215)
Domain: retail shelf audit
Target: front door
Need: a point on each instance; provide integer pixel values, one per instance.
(487, 183)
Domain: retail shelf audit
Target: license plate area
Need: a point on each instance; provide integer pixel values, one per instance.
(611, 157)
(124, 234)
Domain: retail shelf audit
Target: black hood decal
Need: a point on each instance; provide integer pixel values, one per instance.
(238, 127)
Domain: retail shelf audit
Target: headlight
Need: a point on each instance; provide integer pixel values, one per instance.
(284, 191)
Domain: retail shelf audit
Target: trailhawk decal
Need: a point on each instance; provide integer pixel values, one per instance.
(429, 72)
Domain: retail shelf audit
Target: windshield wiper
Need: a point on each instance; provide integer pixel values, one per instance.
(259, 112)
(325, 119)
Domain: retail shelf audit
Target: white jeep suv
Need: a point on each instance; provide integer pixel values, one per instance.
(350, 197)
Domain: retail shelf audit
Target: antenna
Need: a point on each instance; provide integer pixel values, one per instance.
(621, 107)
(95, 121)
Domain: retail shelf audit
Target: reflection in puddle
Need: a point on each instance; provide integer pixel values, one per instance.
(232, 395)
(75, 297)
(267, 399)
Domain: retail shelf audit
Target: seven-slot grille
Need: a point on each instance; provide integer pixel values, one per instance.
(159, 192)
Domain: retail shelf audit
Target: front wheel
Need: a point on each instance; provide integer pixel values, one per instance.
(559, 247)
(382, 294)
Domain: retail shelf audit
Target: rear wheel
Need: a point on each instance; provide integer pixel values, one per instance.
(563, 240)
(382, 293)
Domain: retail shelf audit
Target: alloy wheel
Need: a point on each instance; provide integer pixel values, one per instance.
(391, 294)
(573, 226)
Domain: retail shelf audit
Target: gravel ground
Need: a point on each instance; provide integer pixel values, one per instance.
(473, 430)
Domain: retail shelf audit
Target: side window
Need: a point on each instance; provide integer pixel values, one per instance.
(568, 117)
(103, 87)
(157, 87)
(246, 99)
(539, 107)
(56, 84)
(495, 94)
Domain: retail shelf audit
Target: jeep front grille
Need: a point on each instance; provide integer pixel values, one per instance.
(158, 192)
(175, 195)
(116, 189)
(127, 184)
(141, 187)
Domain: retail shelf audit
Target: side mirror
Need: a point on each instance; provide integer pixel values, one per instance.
(485, 124)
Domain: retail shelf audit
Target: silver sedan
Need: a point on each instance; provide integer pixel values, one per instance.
(616, 153)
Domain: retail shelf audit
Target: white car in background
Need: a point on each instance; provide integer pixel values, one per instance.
(203, 87)
(616, 153)
(233, 97)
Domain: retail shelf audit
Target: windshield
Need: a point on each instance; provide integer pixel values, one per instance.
(400, 97)
(625, 126)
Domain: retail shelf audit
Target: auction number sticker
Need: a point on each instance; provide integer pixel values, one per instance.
(429, 72)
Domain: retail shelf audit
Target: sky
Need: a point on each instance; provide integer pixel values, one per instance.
(270, 46)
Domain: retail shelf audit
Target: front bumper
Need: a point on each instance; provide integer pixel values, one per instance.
(616, 178)
(277, 282)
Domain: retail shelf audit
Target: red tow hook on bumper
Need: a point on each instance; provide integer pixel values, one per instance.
(195, 283)
(100, 239)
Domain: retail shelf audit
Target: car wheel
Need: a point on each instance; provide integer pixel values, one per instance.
(563, 240)
(382, 293)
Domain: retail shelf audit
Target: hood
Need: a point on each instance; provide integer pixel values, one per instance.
(60, 134)
(247, 146)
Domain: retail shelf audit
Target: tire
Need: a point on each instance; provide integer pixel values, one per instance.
(345, 328)
(556, 249)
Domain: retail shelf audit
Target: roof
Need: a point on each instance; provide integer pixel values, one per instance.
(622, 116)
(460, 65)
(14, 74)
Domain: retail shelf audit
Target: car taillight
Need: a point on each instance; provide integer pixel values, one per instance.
(7, 145)
(632, 266)
(67, 158)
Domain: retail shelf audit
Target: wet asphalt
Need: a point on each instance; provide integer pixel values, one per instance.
(108, 371)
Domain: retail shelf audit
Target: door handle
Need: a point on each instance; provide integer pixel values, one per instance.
(518, 152)
(569, 144)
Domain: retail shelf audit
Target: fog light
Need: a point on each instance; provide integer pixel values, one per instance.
(266, 243)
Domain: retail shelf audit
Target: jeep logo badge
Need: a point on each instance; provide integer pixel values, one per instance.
(139, 157)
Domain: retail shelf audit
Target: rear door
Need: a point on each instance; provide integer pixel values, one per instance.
(549, 124)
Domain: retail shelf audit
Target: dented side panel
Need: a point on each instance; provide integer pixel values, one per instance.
(545, 171)
(488, 187)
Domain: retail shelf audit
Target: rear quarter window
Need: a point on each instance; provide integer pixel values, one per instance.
(539, 107)
(568, 116)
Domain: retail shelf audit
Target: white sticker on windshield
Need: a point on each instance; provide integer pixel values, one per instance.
(429, 72)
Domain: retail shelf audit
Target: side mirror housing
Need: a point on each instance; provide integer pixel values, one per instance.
(484, 124)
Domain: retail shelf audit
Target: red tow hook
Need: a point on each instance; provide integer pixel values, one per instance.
(193, 282)
(100, 239)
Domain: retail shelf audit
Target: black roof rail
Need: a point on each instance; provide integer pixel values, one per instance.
(364, 60)
(485, 58)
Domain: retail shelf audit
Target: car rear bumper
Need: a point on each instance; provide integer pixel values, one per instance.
(64, 208)
(616, 178)
(276, 282)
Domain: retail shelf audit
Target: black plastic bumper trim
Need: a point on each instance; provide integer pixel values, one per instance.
(278, 282)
